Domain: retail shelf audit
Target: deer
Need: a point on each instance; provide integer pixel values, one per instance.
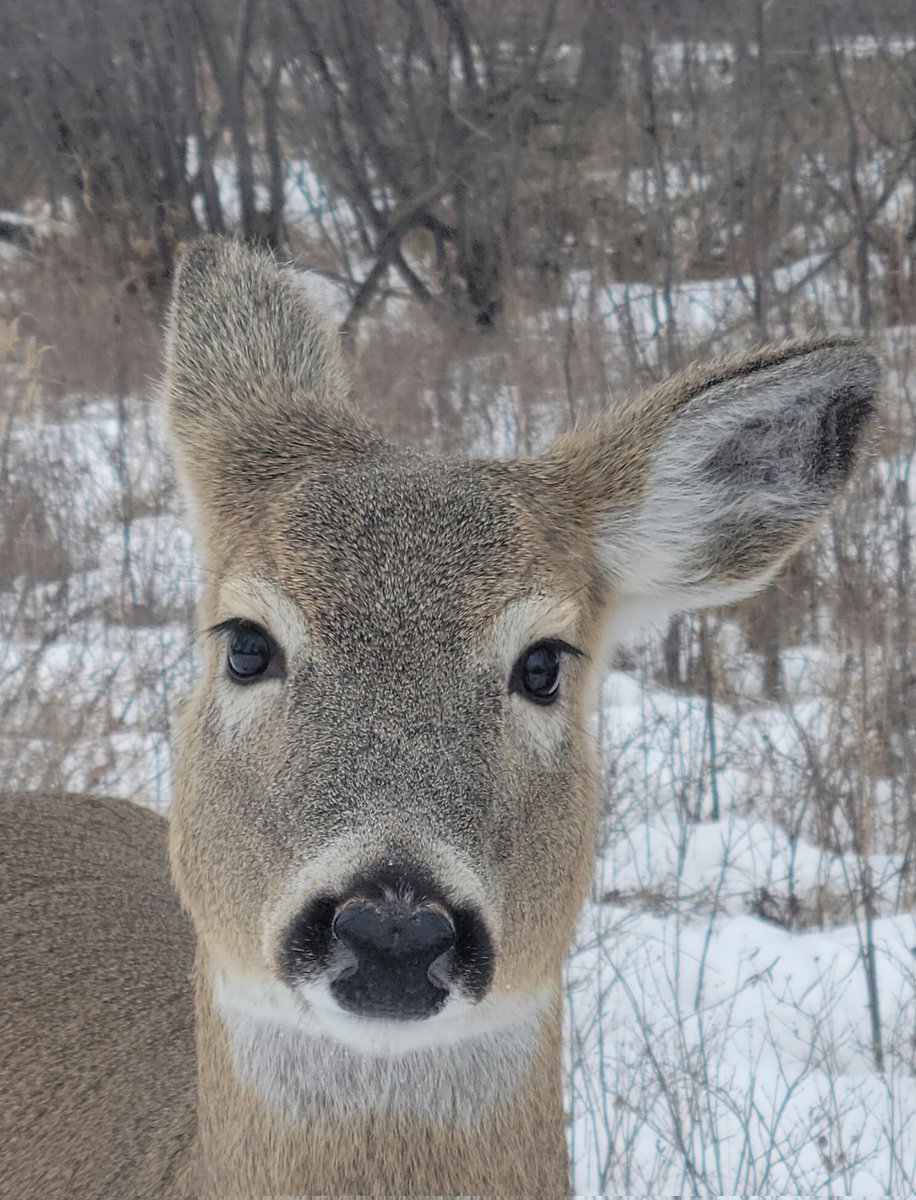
(336, 969)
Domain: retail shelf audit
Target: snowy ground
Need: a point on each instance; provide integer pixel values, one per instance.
(711, 1049)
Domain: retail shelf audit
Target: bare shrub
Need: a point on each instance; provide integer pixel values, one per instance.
(100, 327)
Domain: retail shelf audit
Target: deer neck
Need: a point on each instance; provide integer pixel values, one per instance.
(282, 1111)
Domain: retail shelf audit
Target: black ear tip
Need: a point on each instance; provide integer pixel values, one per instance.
(841, 430)
(853, 401)
(863, 370)
(201, 255)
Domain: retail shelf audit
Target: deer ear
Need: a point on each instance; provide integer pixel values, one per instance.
(698, 492)
(254, 383)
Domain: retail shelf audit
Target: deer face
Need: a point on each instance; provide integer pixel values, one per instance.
(385, 789)
(392, 807)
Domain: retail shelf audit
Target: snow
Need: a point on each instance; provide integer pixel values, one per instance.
(725, 1055)
(712, 1050)
(9, 216)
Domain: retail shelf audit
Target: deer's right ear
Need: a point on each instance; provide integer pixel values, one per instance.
(254, 384)
(696, 494)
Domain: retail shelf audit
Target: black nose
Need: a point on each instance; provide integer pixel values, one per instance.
(391, 958)
(390, 944)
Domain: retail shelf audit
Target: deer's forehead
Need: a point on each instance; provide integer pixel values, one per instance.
(402, 547)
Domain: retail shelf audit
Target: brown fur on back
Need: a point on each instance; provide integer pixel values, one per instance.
(96, 1003)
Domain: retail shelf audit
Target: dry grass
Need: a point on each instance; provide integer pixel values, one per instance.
(100, 326)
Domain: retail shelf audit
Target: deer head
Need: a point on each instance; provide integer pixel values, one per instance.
(386, 800)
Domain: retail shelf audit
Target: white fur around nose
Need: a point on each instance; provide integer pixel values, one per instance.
(301, 1054)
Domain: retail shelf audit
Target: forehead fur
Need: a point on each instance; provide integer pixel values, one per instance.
(412, 546)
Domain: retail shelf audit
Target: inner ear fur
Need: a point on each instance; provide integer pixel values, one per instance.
(254, 386)
(697, 491)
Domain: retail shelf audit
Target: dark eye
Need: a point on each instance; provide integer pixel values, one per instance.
(537, 673)
(249, 652)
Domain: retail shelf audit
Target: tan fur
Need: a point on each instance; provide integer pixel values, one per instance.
(402, 590)
(97, 1073)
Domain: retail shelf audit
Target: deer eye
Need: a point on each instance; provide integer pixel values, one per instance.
(250, 653)
(537, 673)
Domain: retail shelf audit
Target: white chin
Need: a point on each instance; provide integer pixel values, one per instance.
(301, 1052)
(310, 1011)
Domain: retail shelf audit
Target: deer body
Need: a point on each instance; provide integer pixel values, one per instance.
(97, 1073)
(385, 800)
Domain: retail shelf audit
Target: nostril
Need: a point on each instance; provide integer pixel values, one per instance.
(342, 963)
(441, 970)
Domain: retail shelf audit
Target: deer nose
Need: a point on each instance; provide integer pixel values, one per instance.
(391, 959)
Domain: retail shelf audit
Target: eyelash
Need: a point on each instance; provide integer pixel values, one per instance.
(557, 644)
(230, 626)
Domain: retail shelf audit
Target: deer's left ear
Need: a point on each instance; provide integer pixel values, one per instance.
(697, 493)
